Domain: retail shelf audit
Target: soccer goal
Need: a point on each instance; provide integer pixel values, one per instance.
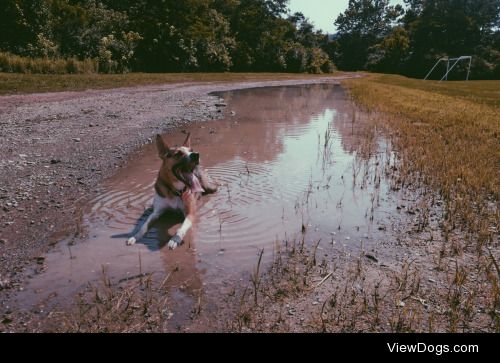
(453, 62)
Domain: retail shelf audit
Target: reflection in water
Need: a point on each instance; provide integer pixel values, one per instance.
(287, 158)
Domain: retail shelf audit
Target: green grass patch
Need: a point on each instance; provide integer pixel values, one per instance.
(487, 92)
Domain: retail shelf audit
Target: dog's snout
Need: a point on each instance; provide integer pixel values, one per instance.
(195, 157)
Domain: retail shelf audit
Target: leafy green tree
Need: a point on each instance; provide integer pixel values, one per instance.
(361, 26)
(25, 27)
(318, 61)
(374, 35)
(80, 27)
(14, 28)
(212, 40)
(448, 28)
(391, 53)
(166, 35)
(116, 51)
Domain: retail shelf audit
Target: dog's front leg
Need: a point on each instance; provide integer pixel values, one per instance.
(144, 228)
(189, 200)
(177, 239)
(158, 209)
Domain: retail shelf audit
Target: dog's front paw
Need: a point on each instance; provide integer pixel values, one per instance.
(131, 241)
(174, 242)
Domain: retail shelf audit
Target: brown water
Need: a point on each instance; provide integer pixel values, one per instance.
(289, 157)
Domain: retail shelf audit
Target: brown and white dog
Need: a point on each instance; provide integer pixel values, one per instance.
(180, 183)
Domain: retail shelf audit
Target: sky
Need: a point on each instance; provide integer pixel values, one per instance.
(323, 12)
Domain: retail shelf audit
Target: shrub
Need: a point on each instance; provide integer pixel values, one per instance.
(11, 63)
(116, 52)
(319, 62)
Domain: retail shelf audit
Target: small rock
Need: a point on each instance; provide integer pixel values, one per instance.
(76, 139)
(401, 304)
(5, 284)
(371, 257)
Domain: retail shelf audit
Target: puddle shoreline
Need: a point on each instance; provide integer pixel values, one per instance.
(293, 163)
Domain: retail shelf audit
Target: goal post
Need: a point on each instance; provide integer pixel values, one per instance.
(453, 62)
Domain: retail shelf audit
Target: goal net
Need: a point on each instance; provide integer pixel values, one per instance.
(450, 64)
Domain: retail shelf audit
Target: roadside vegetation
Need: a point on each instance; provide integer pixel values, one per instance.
(31, 83)
(248, 36)
(10, 63)
(447, 137)
(379, 37)
(163, 36)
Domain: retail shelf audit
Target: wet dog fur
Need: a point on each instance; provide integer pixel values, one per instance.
(181, 182)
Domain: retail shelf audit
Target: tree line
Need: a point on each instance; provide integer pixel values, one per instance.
(250, 36)
(377, 36)
(166, 35)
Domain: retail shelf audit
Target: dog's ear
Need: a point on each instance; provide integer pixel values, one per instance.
(161, 146)
(187, 142)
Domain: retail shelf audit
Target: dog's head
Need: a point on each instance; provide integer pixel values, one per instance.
(179, 163)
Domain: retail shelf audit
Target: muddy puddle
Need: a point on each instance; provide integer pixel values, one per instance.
(293, 162)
